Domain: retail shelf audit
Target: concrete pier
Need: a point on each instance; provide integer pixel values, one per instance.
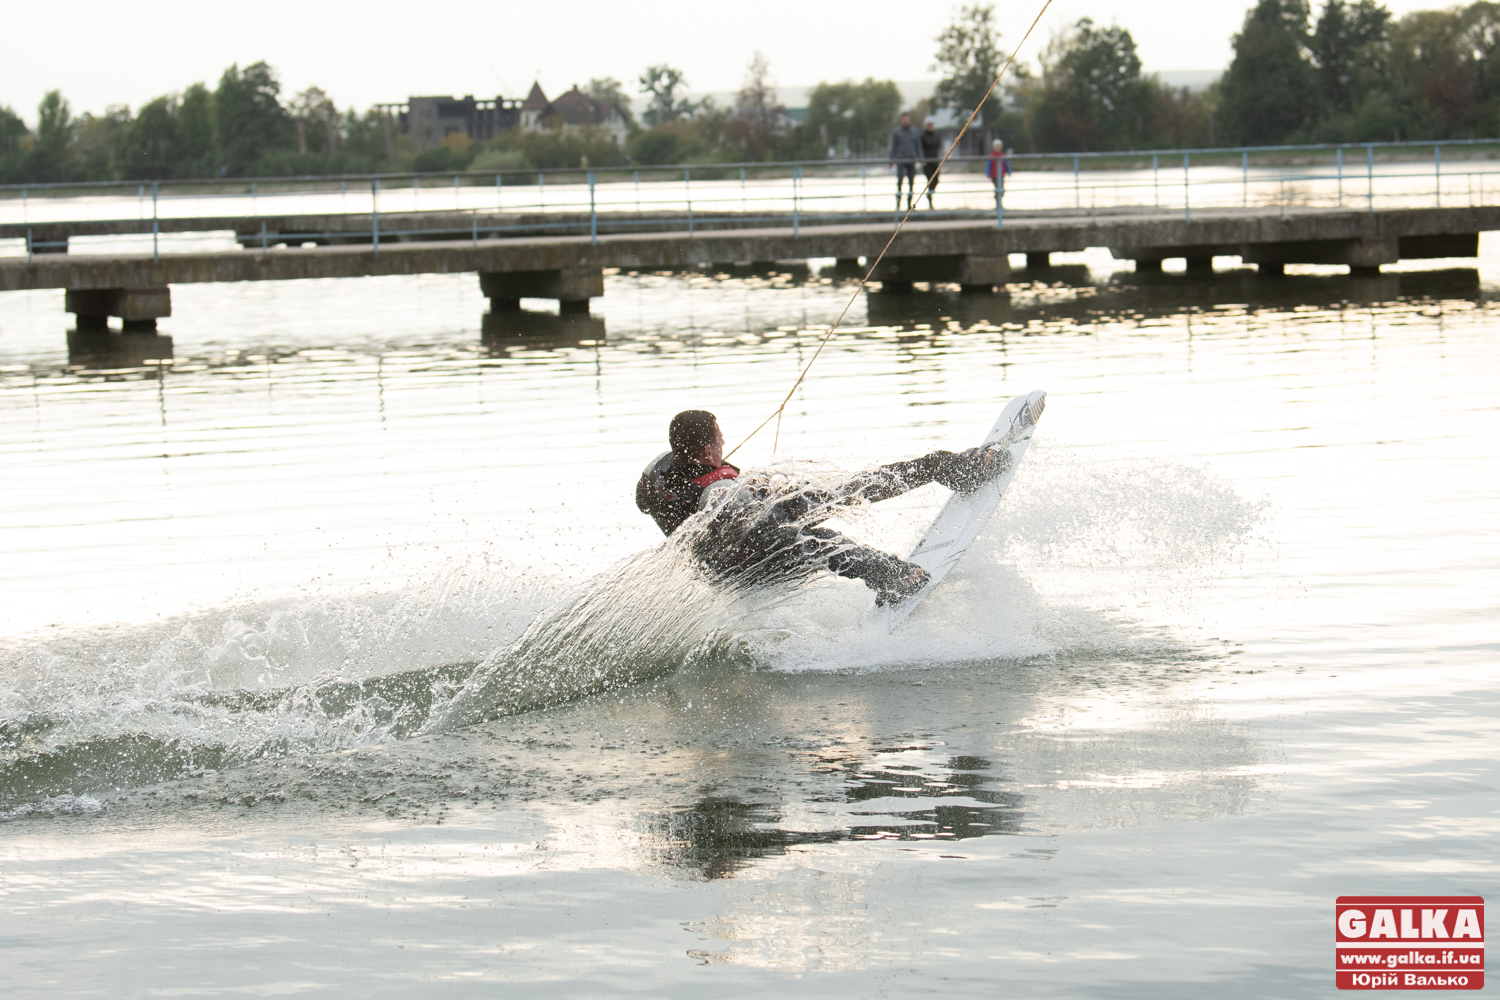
(973, 255)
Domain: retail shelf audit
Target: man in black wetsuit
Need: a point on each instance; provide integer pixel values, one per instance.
(759, 530)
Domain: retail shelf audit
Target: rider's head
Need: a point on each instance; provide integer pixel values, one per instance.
(695, 437)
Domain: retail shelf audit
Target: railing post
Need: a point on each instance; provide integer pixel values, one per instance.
(374, 213)
(1077, 191)
(593, 215)
(416, 186)
(744, 199)
(1187, 209)
(1245, 174)
(796, 183)
(262, 235)
(155, 226)
(687, 186)
(637, 175)
(498, 206)
(541, 189)
(1370, 177)
(456, 205)
(1341, 177)
(474, 223)
(1437, 172)
(1000, 195)
(28, 244)
(1156, 178)
(864, 194)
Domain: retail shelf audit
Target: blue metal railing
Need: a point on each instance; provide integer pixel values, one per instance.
(789, 189)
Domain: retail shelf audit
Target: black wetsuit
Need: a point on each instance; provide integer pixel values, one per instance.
(766, 532)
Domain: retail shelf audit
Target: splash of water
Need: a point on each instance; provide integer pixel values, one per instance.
(119, 708)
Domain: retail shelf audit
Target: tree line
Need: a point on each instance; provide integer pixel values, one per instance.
(1352, 72)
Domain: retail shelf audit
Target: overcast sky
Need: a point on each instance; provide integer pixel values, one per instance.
(100, 53)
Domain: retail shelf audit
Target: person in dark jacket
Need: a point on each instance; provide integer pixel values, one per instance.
(932, 157)
(906, 151)
(757, 529)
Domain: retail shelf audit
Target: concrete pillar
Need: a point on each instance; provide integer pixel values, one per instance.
(572, 287)
(1364, 272)
(1038, 260)
(137, 308)
(1200, 265)
(1148, 266)
(1271, 270)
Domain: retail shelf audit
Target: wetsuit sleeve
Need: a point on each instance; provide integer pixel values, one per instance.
(959, 471)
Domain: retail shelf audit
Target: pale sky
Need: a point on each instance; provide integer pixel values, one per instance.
(111, 53)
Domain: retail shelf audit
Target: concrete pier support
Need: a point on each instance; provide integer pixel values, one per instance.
(1148, 266)
(1202, 264)
(572, 287)
(137, 308)
(1035, 261)
(971, 272)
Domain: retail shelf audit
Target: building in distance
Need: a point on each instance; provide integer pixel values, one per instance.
(428, 121)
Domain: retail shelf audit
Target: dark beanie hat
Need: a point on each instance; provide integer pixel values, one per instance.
(691, 432)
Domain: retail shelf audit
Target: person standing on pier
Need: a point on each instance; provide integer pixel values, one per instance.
(906, 151)
(932, 157)
(997, 168)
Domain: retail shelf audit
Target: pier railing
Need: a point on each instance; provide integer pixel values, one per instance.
(186, 215)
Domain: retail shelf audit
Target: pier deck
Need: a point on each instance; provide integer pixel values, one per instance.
(971, 253)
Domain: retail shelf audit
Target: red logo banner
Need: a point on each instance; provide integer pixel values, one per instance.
(1409, 942)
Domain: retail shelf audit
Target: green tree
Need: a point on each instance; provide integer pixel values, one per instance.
(758, 124)
(1270, 90)
(14, 141)
(197, 134)
(1349, 43)
(663, 82)
(854, 116)
(97, 142)
(608, 90)
(51, 157)
(969, 57)
(251, 121)
(1095, 97)
(150, 148)
(12, 131)
(317, 122)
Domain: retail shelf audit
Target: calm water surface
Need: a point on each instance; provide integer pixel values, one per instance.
(1227, 651)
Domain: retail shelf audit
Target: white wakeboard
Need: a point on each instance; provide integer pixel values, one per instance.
(964, 515)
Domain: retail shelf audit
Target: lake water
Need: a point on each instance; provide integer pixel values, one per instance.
(1227, 651)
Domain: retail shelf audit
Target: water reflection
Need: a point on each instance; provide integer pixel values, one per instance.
(502, 331)
(900, 793)
(95, 349)
(1163, 294)
(1066, 275)
(938, 308)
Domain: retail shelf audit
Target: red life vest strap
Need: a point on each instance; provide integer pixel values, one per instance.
(721, 473)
